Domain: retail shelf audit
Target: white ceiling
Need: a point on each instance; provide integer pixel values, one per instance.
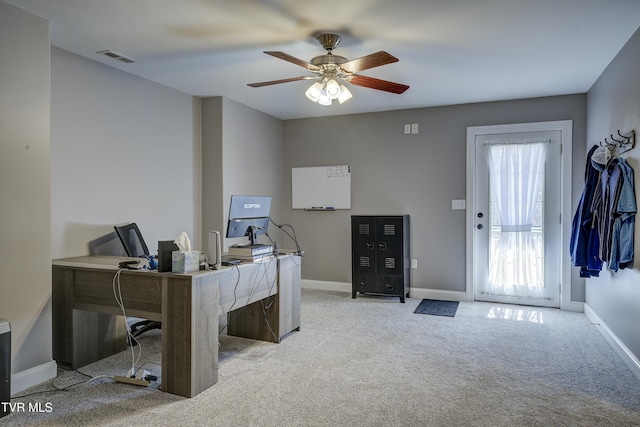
(449, 51)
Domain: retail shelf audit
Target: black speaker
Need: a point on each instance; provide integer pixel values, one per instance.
(5, 366)
(165, 247)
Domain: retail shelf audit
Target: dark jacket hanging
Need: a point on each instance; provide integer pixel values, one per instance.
(584, 237)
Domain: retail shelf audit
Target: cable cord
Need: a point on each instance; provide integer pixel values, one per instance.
(257, 281)
(117, 293)
(235, 299)
(262, 304)
(266, 319)
(273, 284)
(70, 387)
(292, 237)
(79, 384)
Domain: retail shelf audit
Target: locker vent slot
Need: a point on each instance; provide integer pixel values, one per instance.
(363, 229)
(389, 229)
(390, 263)
(365, 261)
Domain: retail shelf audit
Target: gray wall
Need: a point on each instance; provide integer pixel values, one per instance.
(25, 255)
(242, 154)
(123, 149)
(212, 166)
(419, 175)
(614, 103)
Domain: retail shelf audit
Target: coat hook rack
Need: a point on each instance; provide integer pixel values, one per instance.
(620, 144)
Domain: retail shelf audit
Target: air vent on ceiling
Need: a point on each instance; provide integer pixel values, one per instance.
(118, 56)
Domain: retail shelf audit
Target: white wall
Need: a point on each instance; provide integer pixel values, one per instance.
(123, 149)
(25, 261)
(614, 103)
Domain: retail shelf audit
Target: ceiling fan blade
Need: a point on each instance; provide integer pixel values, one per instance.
(378, 84)
(275, 82)
(369, 61)
(293, 60)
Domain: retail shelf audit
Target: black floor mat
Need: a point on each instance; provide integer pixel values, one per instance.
(437, 307)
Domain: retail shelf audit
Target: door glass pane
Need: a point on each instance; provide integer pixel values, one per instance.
(516, 212)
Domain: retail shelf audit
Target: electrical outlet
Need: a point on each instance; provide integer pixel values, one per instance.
(414, 128)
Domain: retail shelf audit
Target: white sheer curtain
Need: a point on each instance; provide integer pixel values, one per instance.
(516, 174)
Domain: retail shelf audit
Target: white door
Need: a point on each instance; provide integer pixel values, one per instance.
(517, 218)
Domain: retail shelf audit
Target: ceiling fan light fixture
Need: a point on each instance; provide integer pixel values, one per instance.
(314, 92)
(345, 94)
(332, 70)
(333, 89)
(324, 99)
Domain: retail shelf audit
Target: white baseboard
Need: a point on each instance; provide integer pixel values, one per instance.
(37, 375)
(438, 294)
(322, 285)
(413, 292)
(575, 306)
(618, 346)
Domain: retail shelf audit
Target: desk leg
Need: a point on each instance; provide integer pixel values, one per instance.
(81, 337)
(274, 317)
(257, 321)
(190, 309)
(62, 315)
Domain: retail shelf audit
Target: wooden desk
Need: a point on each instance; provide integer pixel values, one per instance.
(88, 324)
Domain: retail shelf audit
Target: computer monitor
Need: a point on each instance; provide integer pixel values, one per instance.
(248, 216)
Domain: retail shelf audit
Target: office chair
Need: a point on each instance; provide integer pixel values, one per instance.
(135, 246)
(132, 240)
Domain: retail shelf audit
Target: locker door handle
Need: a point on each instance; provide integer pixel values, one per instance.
(370, 246)
(382, 246)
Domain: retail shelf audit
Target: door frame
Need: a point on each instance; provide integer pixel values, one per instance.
(565, 127)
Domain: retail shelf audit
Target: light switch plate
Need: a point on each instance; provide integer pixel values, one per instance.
(458, 204)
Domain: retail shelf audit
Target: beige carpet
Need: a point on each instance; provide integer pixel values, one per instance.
(371, 361)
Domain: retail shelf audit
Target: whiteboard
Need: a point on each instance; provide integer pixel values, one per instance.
(321, 187)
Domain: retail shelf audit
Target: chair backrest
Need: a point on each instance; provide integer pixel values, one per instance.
(132, 240)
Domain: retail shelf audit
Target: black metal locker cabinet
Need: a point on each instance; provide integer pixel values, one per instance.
(380, 255)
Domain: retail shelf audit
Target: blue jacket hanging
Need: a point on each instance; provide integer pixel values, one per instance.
(584, 236)
(623, 216)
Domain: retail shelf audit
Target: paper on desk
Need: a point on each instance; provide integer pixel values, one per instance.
(183, 243)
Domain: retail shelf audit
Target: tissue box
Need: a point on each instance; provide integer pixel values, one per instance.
(185, 262)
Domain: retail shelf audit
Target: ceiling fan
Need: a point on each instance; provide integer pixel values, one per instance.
(331, 71)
